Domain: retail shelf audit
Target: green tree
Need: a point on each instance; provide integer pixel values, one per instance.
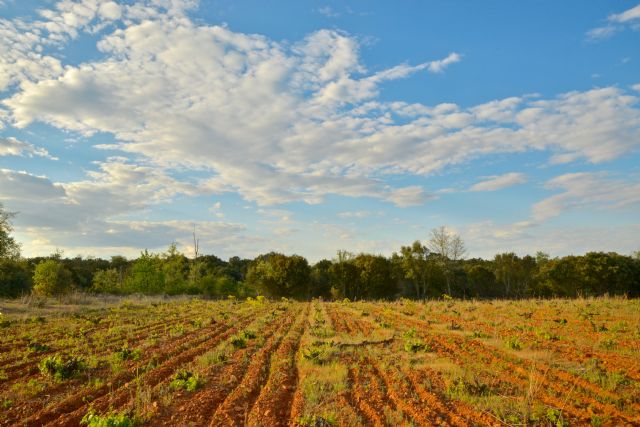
(320, 279)
(175, 269)
(107, 281)
(375, 276)
(516, 274)
(482, 281)
(9, 249)
(15, 277)
(146, 275)
(278, 275)
(51, 278)
(344, 277)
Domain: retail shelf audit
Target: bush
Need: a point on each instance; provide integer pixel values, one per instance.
(51, 278)
(61, 368)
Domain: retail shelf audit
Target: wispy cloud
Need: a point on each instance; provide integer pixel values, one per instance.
(498, 182)
(617, 22)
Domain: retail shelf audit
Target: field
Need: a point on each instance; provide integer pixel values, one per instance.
(194, 362)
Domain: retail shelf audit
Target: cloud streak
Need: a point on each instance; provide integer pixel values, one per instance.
(617, 22)
(498, 182)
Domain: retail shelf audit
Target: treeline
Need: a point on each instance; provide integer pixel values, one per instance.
(418, 271)
(415, 271)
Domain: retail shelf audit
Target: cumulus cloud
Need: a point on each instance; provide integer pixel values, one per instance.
(617, 22)
(282, 122)
(498, 182)
(275, 122)
(11, 146)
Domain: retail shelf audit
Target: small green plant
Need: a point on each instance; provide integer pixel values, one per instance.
(6, 404)
(248, 334)
(415, 345)
(238, 341)
(186, 380)
(37, 347)
(546, 335)
(554, 416)
(125, 353)
(478, 334)
(61, 368)
(319, 352)
(513, 343)
(410, 333)
(91, 419)
(316, 421)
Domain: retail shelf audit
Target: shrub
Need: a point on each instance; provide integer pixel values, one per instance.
(61, 368)
(186, 380)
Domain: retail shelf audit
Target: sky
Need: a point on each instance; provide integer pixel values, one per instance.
(312, 126)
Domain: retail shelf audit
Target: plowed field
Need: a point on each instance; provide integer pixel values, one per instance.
(283, 363)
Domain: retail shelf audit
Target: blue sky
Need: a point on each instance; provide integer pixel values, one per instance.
(308, 127)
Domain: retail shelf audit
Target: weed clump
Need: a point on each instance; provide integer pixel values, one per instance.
(61, 368)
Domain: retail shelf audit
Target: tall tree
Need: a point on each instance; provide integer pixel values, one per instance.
(450, 248)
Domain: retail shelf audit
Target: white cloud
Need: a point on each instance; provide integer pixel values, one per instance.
(409, 196)
(498, 182)
(283, 122)
(586, 190)
(11, 146)
(617, 22)
(628, 15)
(440, 65)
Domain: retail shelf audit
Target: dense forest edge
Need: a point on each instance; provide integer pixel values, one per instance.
(436, 268)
